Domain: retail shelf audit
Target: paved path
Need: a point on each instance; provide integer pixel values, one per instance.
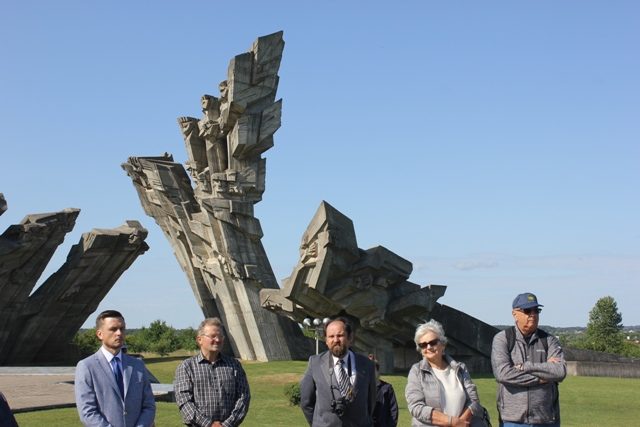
(28, 389)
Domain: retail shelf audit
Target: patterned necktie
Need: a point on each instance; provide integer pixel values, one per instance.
(117, 372)
(343, 380)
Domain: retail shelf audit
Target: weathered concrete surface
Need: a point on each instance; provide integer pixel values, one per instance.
(37, 388)
(25, 251)
(469, 338)
(39, 327)
(603, 369)
(599, 364)
(334, 277)
(212, 228)
(34, 392)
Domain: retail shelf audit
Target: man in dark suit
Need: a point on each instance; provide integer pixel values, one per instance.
(339, 387)
(111, 387)
(6, 416)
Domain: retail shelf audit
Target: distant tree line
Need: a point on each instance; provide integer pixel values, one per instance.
(158, 338)
(604, 332)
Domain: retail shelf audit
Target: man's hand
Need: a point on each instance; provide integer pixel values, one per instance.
(460, 422)
(466, 415)
(554, 360)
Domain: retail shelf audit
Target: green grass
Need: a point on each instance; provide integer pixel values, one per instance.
(585, 401)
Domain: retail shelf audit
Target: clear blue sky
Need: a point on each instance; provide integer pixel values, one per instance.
(493, 144)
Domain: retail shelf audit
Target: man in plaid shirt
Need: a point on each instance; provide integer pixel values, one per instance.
(211, 388)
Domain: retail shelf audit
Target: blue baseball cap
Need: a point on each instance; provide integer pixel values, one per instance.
(526, 300)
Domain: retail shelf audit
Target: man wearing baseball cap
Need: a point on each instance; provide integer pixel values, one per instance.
(528, 364)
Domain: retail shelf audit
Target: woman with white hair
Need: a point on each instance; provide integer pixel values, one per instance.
(439, 390)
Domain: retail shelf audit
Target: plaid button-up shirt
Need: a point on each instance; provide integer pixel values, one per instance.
(207, 392)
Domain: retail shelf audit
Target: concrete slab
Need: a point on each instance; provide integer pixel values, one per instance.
(37, 388)
(28, 392)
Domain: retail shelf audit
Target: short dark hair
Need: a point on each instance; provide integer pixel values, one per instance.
(347, 325)
(105, 314)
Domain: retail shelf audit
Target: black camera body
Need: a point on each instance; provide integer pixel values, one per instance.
(339, 406)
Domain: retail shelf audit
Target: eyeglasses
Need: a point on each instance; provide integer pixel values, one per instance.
(431, 343)
(530, 311)
(213, 337)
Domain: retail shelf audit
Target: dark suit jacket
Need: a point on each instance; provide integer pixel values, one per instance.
(316, 397)
(98, 398)
(6, 416)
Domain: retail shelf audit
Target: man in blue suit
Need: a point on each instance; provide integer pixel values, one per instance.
(112, 388)
(339, 387)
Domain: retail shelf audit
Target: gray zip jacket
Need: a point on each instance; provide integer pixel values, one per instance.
(423, 391)
(527, 383)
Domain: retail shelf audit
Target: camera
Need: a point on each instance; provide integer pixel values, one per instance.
(339, 406)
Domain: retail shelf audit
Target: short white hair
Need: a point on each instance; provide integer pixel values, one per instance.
(430, 326)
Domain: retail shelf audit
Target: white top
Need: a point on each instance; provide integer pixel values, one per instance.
(452, 393)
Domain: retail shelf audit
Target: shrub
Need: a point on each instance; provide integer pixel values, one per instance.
(158, 338)
(630, 349)
(135, 344)
(187, 339)
(292, 391)
(87, 341)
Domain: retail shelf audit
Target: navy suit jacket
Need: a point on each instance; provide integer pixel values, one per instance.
(316, 393)
(98, 399)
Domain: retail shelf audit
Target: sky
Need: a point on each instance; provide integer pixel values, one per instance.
(493, 144)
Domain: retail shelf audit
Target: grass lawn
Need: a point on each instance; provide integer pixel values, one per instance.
(585, 401)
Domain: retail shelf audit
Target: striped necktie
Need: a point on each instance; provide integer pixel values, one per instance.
(343, 380)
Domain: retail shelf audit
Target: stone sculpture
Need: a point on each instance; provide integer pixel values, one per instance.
(39, 328)
(3, 204)
(212, 228)
(216, 238)
(333, 276)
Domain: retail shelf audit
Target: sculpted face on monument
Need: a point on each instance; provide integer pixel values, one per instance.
(335, 277)
(308, 249)
(209, 125)
(188, 125)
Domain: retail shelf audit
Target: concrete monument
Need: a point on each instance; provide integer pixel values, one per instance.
(212, 228)
(216, 238)
(333, 276)
(39, 327)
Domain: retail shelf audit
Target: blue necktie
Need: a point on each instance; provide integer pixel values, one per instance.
(117, 371)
